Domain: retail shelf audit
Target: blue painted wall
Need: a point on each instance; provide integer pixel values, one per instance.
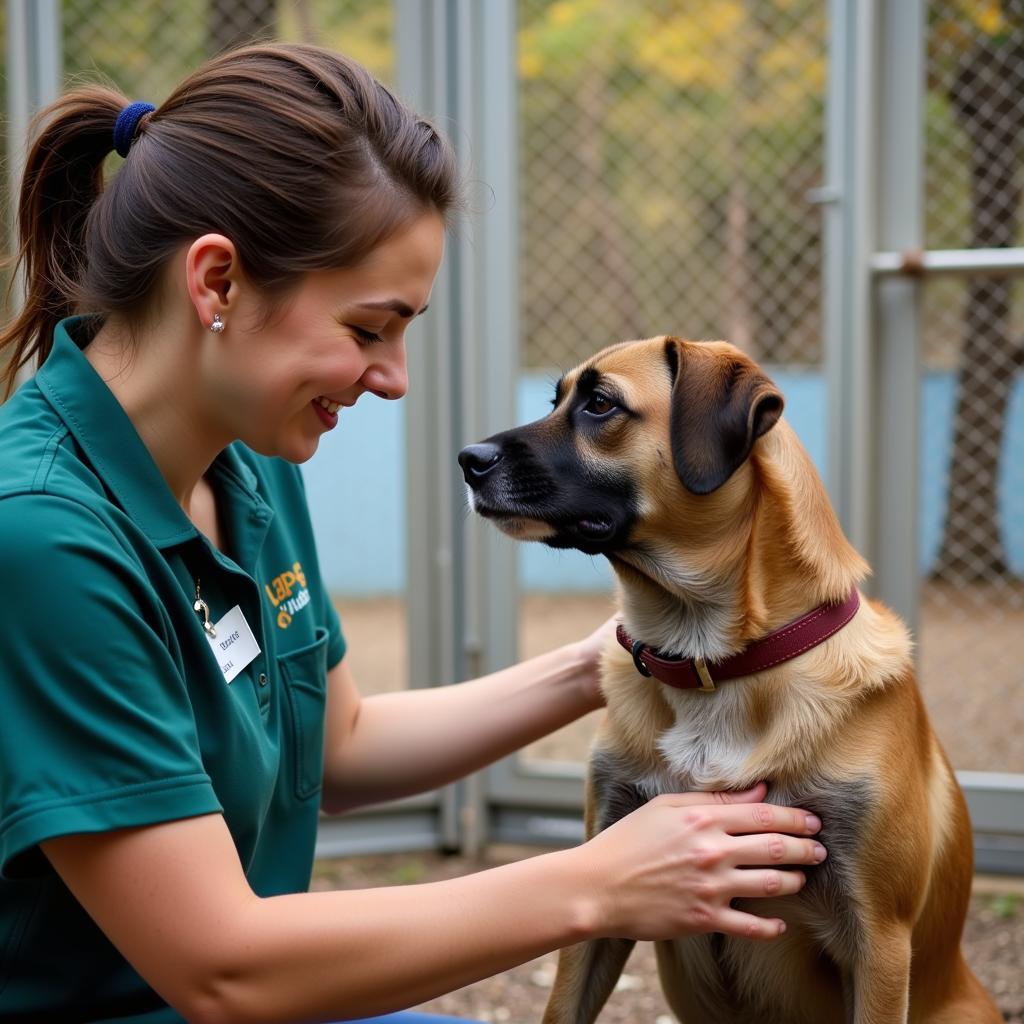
(356, 489)
(356, 486)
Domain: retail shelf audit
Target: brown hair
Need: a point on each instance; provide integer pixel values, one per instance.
(294, 152)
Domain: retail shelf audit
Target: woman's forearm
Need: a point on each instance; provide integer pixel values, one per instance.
(174, 899)
(671, 868)
(359, 953)
(415, 740)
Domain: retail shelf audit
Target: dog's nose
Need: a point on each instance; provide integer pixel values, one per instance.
(477, 460)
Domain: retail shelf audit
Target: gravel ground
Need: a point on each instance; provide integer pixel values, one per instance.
(993, 944)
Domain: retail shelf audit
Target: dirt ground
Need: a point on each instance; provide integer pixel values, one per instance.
(993, 945)
(971, 648)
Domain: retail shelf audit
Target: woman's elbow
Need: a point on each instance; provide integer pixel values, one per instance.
(222, 1002)
(226, 992)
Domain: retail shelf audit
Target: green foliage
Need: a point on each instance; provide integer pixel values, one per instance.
(1006, 905)
(363, 29)
(144, 49)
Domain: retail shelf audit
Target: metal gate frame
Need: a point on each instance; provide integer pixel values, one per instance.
(875, 269)
(457, 61)
(33, 73)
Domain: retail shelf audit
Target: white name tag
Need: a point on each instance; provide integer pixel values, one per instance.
(234, 646)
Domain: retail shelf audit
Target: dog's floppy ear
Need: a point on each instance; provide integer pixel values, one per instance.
(721, 404)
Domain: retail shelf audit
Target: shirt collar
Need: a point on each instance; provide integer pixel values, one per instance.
(108, 437)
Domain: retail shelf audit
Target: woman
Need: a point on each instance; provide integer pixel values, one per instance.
(177, 705)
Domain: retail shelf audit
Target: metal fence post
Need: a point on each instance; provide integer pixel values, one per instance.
(456, 64)
(33, 81)
(435, 601)
(872, 197)
(33, 72)
(848, 200)
(899, 226)
(874, 218)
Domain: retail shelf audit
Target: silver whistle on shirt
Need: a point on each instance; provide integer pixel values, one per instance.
(200, 606)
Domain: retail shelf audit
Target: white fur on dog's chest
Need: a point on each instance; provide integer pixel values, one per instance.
(710, 742)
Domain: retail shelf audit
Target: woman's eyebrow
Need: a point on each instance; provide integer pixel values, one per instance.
(395, 306)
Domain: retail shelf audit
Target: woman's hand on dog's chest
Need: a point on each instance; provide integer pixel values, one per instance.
(672, 867)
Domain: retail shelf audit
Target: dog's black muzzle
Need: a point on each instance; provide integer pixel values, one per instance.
(521, 474)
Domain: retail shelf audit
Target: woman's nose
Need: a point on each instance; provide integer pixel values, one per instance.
(387, 377)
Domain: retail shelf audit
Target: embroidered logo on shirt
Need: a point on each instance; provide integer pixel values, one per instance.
(285, 597)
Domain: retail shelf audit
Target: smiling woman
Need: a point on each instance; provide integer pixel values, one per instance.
(277, 384)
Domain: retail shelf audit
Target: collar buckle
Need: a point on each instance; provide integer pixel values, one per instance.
(707, 684)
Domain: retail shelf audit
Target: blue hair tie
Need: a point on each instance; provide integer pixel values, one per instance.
(127, 122)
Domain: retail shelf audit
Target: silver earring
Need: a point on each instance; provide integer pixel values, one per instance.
(218, 325)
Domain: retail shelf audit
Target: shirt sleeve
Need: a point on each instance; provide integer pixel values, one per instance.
(97, 730)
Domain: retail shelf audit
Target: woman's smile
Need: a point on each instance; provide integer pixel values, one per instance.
(327, 411)
(330, 406)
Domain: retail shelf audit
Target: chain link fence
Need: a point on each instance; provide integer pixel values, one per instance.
(667, 149)
(972, 600)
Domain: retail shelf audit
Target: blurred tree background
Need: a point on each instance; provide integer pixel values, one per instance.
(148, 46)
(667, 149)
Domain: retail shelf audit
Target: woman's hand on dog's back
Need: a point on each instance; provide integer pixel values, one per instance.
(672, 867)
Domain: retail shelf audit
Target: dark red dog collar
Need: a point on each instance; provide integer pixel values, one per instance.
(695, 673)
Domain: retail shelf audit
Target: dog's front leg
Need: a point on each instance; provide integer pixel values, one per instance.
(586, 977)
(588, 971)
(881, 979)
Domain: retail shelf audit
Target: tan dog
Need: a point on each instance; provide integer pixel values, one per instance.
(669, 457)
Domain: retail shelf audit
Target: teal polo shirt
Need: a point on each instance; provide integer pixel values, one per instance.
(114, 711)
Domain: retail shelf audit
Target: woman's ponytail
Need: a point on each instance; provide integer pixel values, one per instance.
(63, 178)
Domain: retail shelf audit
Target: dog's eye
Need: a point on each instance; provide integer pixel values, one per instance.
(599, 405)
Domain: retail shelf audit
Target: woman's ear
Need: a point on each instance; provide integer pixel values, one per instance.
(212, 276)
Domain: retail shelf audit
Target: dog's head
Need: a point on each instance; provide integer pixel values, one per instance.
(644, 438)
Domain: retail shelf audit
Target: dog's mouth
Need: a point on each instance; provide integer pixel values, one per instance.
(591, 532)
(515, 524)
(595, 528)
